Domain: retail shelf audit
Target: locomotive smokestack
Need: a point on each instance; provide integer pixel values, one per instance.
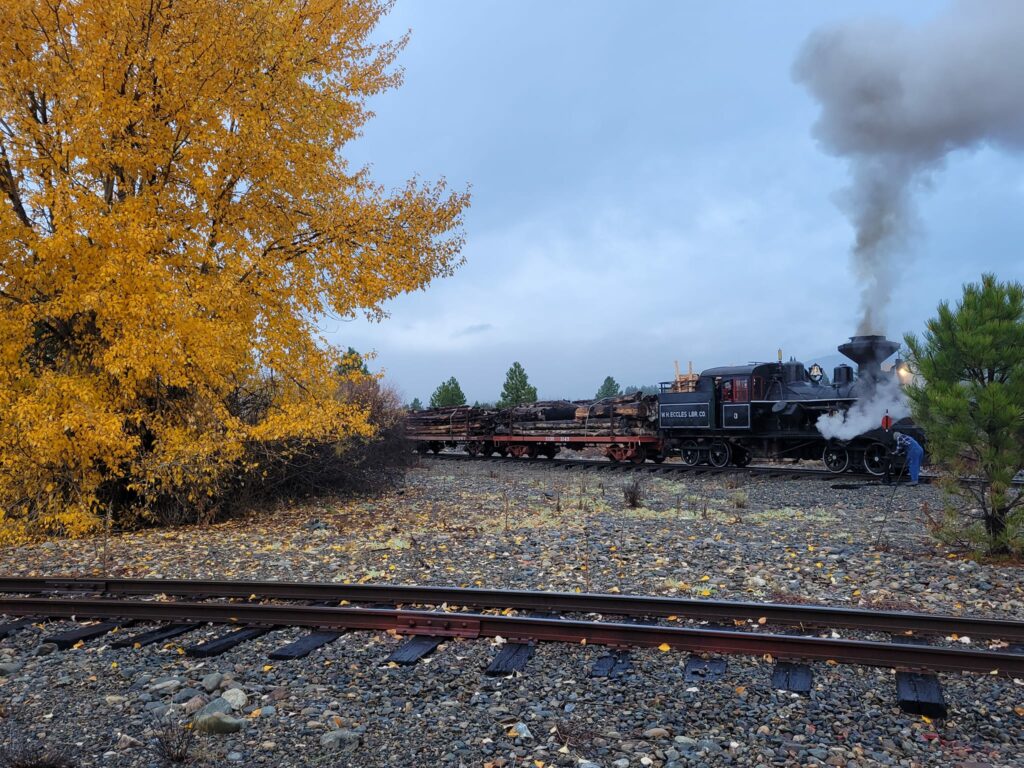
(869, 352)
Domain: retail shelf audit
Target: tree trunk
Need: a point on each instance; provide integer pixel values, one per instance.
(995, 527)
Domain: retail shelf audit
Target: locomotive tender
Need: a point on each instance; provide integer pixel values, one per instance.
(726, 415)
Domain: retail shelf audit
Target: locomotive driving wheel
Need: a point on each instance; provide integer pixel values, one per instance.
(836, 458)
(719, 454)
(690, 453)
(876, 457)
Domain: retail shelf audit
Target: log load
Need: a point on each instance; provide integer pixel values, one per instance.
(450, 423)
(626, 415)
(636, 407)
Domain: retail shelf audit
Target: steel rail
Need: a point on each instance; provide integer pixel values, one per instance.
(518, 628)
(867, 620)
(670, 468)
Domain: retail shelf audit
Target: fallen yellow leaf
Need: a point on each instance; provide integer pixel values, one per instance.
(267, 667)
(664, 647)
(763, 620)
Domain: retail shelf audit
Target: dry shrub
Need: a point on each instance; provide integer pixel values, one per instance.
(633, 492)
(20, 747)
(174, 744)
(272, 470)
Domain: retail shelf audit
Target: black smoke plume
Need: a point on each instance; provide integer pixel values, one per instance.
(896, 101)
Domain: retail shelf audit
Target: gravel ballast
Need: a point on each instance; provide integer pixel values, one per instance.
(512, 525)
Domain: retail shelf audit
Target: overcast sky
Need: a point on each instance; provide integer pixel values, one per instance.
(646, 188)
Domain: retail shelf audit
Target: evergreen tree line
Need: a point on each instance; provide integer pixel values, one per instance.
(517, 390)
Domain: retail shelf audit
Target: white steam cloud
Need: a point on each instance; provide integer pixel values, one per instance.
(866, 413)
(895, 101)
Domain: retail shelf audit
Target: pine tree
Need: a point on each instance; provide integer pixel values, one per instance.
(970, 402)
(610, 388)
(448, 393)
(517, 389)
(415, 405)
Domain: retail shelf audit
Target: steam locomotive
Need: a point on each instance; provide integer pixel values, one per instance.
(774, 410)
(723, 416)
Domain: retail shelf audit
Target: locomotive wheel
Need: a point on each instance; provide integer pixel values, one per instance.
(719, 454)
(690, 453)
(875, 458)
(836, 458)
(741, 456)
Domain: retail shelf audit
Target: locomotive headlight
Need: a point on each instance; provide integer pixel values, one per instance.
(903, 372)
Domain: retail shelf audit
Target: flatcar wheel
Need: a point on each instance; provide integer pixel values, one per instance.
(533, 451)
(658, 458)
(473, 448)
(719, 454)
(875, 458)
(639, 455)
(551, 451)
(690, 453)
(503, 451)
(836, 458)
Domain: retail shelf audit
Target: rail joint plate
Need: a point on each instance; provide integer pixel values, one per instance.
(451, 625)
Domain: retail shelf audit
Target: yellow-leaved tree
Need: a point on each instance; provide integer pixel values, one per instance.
(175, 218)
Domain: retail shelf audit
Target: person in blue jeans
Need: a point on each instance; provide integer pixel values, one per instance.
(905, 444)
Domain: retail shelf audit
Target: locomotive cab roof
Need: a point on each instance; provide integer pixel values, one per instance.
(726, 371)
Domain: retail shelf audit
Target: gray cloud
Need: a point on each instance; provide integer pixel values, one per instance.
(896, 101)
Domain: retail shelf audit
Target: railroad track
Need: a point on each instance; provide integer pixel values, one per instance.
(666, 468)
(522, 618)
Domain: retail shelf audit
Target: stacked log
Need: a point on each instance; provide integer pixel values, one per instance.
(636, 406)
(449, 423)
(626, 415)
